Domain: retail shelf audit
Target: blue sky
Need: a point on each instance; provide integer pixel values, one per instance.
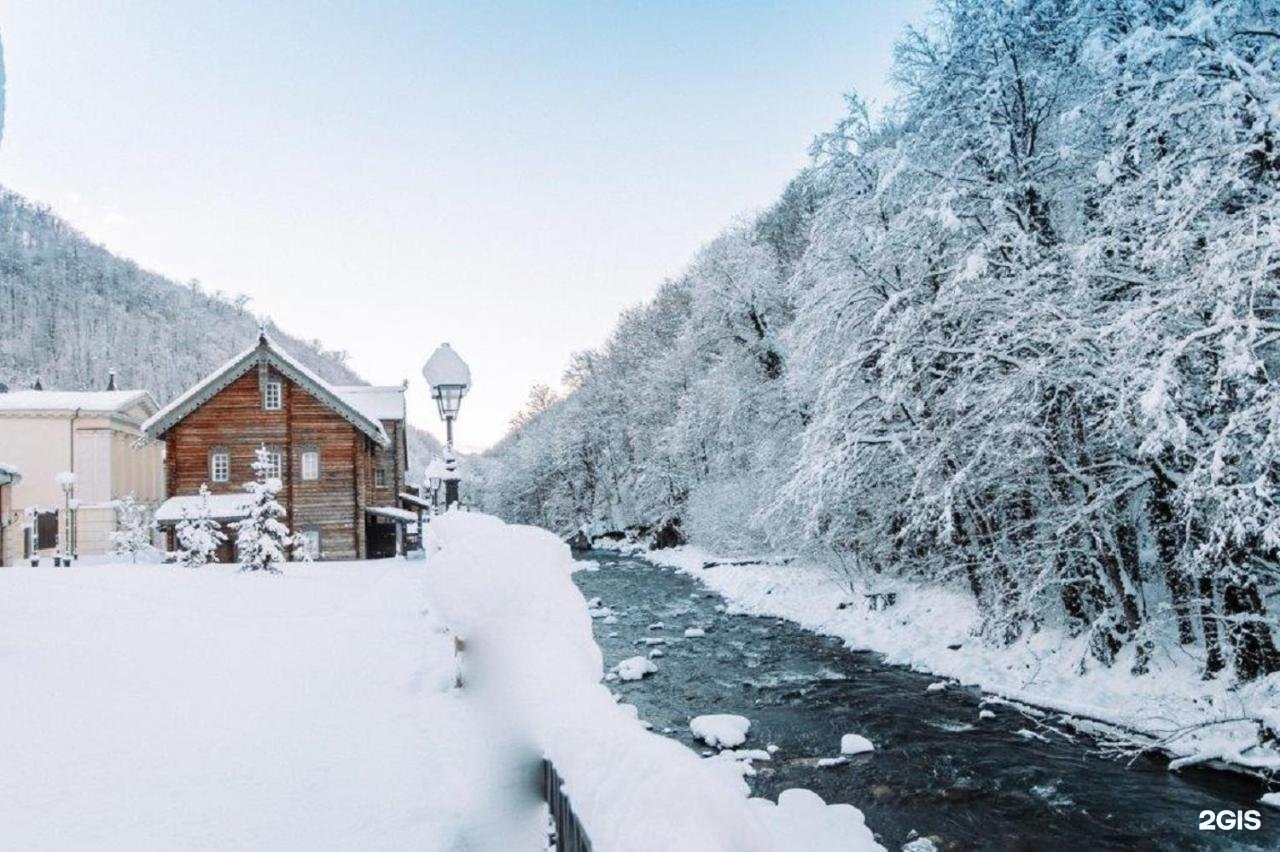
(387, 175)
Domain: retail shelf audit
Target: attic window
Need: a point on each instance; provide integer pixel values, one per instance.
(272, 396)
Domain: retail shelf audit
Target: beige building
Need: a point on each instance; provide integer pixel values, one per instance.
(92, 434)
(9, 519)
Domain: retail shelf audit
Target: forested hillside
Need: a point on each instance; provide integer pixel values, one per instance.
(1017, 336)
(70, 311)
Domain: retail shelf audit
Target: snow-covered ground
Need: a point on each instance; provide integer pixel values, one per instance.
(157, 707)
(929, 628)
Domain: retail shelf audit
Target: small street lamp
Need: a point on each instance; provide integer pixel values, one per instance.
(66, 530)
(450, 379)
(435, 474)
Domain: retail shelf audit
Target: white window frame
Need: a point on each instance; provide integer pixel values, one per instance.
(273, 395)
(379, 477)
(310, 465)
(220, 472)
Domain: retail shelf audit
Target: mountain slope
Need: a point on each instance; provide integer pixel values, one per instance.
(70, 310)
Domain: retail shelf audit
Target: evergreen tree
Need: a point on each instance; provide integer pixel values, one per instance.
(262, 538)
(198, 534)
(133, 529)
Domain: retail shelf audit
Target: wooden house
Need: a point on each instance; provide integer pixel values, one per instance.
(339, 451)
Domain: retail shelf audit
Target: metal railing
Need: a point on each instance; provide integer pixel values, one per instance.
(570, 835)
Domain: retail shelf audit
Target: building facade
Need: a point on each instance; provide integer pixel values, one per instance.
(9, 519)
(92, 435)
(339, 452)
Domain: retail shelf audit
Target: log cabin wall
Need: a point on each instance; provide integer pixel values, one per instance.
(235, 420)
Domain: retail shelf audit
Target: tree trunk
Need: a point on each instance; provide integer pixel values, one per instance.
(1168, 535)
(1213, 662)
(1247, 626)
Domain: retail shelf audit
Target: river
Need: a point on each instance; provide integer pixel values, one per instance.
(1008, 781)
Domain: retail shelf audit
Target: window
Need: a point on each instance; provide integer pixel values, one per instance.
(220, 466)
(311, 543)
(272, 396)
(310, 464)
(380, 477)
(275, 464)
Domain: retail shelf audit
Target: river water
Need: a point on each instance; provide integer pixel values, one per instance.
(1007, 782)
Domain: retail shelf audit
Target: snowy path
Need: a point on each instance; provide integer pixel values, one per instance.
(149, 707)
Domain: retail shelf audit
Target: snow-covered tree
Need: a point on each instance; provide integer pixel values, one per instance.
(1019, 333)
(263, 540)
(198, 535)
(133, 529)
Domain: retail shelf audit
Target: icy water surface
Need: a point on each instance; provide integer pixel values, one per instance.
(937, 770)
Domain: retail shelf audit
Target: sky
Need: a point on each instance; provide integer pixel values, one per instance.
(385, 176)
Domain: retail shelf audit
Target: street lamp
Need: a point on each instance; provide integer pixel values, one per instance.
(435, 474)
(450, 379)
(66, 534)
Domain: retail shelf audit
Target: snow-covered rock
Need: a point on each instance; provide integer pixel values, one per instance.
(635, 668)
(694, 633)
(831, 762)
(855, 744)
(725, 730)
(1272, 799)
(936, 687)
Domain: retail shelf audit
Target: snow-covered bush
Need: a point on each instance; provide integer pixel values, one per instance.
(263, 540)
(198, 535)
(134, 526)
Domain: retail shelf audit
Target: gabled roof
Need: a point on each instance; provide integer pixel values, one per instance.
(70, 402)
(268, 351)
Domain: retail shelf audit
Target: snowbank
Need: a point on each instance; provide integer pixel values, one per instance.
(158, 707)
(532, 665)
(929, 628)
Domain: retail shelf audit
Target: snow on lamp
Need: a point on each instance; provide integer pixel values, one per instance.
(450, 379)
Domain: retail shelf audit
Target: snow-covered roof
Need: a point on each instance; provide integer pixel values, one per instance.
(9, 474)
(265, 349)
(393, 512)
(415, 500)
(379, 402)
(445, 367)
(69, 402)
(222, 507)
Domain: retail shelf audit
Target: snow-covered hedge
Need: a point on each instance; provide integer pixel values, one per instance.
(531, 664)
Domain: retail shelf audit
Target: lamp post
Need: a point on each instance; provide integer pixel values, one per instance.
(435, 474)
(66, 535)
(450, 379)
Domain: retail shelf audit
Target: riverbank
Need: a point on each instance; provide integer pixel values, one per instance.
(930, 629)
(953, 765)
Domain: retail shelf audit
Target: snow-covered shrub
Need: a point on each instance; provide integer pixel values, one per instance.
(263, 540)
(198, 535)
(132, 535)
